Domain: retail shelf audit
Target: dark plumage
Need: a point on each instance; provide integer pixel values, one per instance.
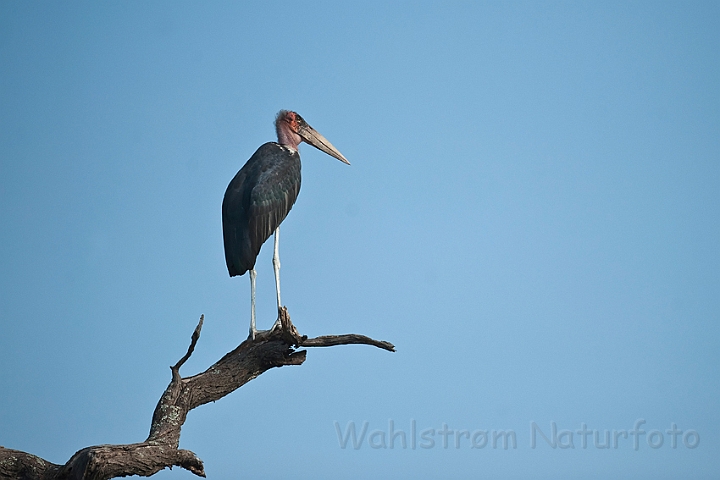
(257, 200)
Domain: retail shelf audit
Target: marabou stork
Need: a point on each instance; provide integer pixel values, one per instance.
(260, 196)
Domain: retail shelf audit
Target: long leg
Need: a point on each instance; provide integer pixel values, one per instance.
(253, 274)
(276, 267)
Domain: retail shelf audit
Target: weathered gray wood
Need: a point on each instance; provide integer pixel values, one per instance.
(250, 359)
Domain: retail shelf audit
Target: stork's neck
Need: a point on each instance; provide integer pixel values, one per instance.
(287, 137)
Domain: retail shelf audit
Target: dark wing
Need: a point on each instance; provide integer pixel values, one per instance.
(234, 221)
(257, 200)
(271, 200)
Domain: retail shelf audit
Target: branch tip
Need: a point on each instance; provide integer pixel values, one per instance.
(193, 342)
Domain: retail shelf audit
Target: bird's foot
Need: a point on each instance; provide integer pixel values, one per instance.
(276, 326)
(278, 323)
(256, 333)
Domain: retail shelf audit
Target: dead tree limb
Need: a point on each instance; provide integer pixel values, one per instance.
(250, 359)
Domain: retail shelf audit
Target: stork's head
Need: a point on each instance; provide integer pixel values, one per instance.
(292, 129)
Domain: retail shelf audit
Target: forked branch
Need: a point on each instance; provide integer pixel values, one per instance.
(250, 359)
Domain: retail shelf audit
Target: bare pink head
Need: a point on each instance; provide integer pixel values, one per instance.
(292, 129)
(287, 126)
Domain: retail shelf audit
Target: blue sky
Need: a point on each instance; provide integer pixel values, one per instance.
(531, 217)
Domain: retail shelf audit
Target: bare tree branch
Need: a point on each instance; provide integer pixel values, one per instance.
(193, 341)
(275, 348)
(333, 340)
